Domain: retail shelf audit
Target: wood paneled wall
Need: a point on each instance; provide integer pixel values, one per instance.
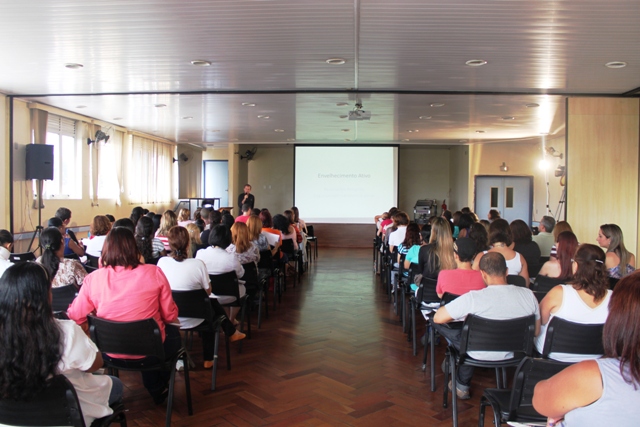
(602, 166)
(345, 235)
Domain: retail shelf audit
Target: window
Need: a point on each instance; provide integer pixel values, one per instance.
(67, 159)
(509, 197)
(494, 197)
(150, 171)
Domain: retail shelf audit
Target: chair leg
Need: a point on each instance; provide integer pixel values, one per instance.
(214, 369)
(432, 346)
(413, 328)
(187, 383)
(483, 406)
(447, 368)
(228, 351)
(454, 393)
(172, 381)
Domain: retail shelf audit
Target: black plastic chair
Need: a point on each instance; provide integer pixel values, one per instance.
(564, 336)
(93, 261)
(139, 338)
(425, 298)
(56, 405)
(72, 256)
(545, 283)
(513, 279)
(516, 404)
(62, 297)
(480, 334)
(196, 304)
(89, 269)
(289, 248)
(266, 263)
(22, 257)
(613, 282)
(446, 299)
(226, 285)
(311, 237)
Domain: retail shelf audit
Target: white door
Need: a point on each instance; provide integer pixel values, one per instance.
(509, 195)
(215, 176)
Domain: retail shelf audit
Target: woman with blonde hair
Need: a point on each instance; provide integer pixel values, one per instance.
(610, 238)
(255, 235)
(242, 247)
(184, 217)
(438, 254)
(167, 222)
(561, 226)
(194, 238)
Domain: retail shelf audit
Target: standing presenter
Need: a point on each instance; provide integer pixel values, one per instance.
(246, 197)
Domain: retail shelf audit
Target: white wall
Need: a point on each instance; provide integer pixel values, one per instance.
(458, 196)
(424, 174)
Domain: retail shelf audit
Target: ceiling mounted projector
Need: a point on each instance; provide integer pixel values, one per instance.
(359, 115)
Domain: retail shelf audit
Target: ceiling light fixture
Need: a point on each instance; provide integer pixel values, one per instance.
(81, 106)
(73, 66)
(345, 130)
(214, 130)
(342, 104)
(532, 105)
(615, 64)
(117, 118)
(248, 104)
(436, 104)
(187, 118)
(425, 117)
(508, 118)
(262, 116)
(462, 140)
(405, 140)
(479, 131)
(278, 130)
(291, 139)
(336, 61)
(347, 139)
(343, 116)
(476, 62)
(160, 105)
(201, 63)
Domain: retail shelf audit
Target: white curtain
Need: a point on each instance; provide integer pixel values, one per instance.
(150, 171)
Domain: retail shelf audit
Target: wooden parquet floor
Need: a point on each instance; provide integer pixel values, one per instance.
(332, 354)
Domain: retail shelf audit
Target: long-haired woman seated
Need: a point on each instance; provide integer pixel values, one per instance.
(126, 290)
(64, 271)
(35, 346)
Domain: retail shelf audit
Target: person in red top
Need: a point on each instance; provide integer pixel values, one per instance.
(463, 279)
(126, 290)
(246, 213)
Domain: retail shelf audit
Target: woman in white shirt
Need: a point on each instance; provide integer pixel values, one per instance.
(100, 227)
(45, 346)
(187, 274)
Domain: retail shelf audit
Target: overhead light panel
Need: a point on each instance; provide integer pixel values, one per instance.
(201, 63)
(615, 64)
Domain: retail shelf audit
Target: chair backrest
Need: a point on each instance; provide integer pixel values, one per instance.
(266, 260)
(136, 338)
(22, 257)
(509, 335)
(194, 304)
(546, 283)
(447, 298)
(427, 291)
(529, 373)
(564, 336)
(534, 269)
(287, 246)
(89, 269)
(154, 261)
(225, 284)
(250, 275)
(93, 261)
(513, 279)
(72, 256)
(62, 297)
(56, 405)
(310, 232)
(613, 282)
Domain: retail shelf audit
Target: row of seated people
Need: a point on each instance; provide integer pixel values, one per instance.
(126, 288)
(461, 267)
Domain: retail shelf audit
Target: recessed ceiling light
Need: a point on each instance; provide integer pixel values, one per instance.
(437, 104)
(508, 118)
(336, 61)
(476, 62)
(291, 139)
(81, 106)
(345, 130)
(73, 66)
(462, 140)
(187, 118)
(544, 133)
(342, 104)
(262, 116)
(479, 131)
(160, 105)
(200, 63)
(214, 130)
(532, 105)
(278, 130)
(117, 118)
(615, 64)
(347, 139)
(344, 116)
(405, 140)
(233, 139)
(425, 117)
(248, 104)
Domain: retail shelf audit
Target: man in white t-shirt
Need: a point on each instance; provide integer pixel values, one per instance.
(498, 301)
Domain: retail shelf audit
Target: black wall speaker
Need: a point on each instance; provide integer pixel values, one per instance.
(39, 161)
